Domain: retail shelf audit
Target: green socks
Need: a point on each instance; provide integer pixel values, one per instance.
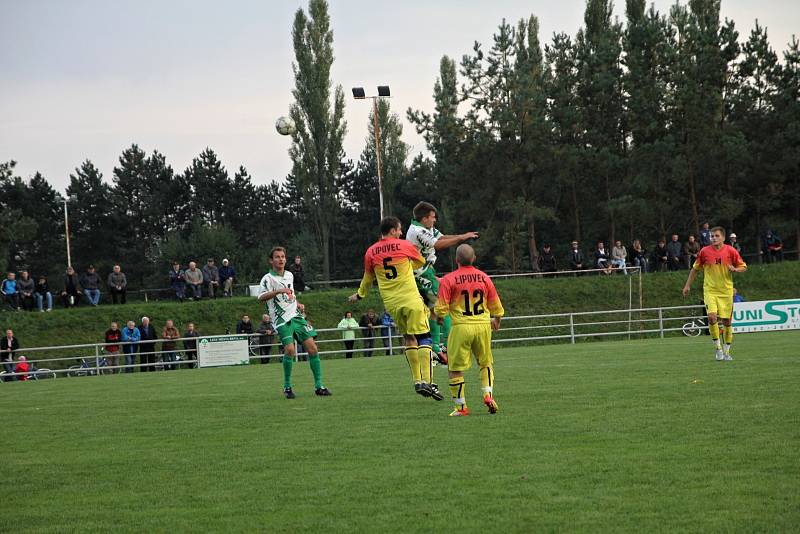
(435, 334)
(316, 369)
(288, 362)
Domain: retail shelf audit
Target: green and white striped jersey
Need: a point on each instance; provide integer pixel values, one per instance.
(282, 308)
(425, 240)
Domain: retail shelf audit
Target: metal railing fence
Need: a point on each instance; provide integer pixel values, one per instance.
(572, 327)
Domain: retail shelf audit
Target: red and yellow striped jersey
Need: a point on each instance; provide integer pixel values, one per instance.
(391, 261)
(714, 264)
(466, 294)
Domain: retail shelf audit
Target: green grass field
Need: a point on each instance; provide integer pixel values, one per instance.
(609, 436)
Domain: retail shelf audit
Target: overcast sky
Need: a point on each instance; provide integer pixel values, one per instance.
(87, 78)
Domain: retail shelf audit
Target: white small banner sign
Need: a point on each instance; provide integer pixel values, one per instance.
(766, 315)
(222, 350)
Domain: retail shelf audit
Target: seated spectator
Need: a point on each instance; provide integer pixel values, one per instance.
(661, 256)
(90, 281)
(177, 281)
(734, 242)
(349, 327)
(737, 297)
(601, 260)
(113, 337)
(690, 251)
(773, 247)
(25, 288)
(147, 347)
(170, 335)
(42, 294)
(227, 275)
(639, 256)
(547, 260)
(576, 260)
(117, 285)
(10, 293)
(130, 337)
(8, 346)
(369, 324)
(619, 256)
(194, 281)
(71, 295)
(190, 344)
(245, 325)
(22, 367)
(211, 278)
(675, 254)
(267, 335)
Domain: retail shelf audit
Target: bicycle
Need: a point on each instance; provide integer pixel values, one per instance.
(697, 326)
(85, 368)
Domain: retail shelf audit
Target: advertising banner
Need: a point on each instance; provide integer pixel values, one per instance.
(766, 315)
(222, 350)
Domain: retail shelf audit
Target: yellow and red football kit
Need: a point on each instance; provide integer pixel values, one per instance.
(717, 278)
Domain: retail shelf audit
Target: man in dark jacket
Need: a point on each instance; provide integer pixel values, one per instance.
(25, 288)
(190, 345)
(369, 323)
(147, 345)
(576, 259)
(299, 275)
(227, 275)
(8, 345)
(71, 295)
(211, 278)
(547, 260)
(661, 256)
(117, 284)
(675, 254)
(91, 285)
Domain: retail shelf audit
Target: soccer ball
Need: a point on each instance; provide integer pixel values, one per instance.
(285, 126)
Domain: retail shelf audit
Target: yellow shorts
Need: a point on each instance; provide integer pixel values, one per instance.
(466, 340)
(411, 318)
(720, 304)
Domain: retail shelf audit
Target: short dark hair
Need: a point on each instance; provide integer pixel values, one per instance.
(276, 249)
(718, 229)
(388, 224)
(422, 210)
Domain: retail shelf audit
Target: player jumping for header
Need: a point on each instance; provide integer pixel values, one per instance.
(424, 235)
(467, 294)
(277, 290)
(392, 261)
(717, 261)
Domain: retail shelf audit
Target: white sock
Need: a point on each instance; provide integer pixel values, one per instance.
(727, 348)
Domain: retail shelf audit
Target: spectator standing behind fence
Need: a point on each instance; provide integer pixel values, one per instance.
(117, 285)
(299, 274)
(576, 260)
(705, 236)
(131, 337)
(267, 336)
(547, 260)
(349, 327)
(9, 290)
(190, 344)
(690, 251)
(71, 295)
(42, 294)
(661, 256)
(211, 278)
(245, 325)
(91, 285)
(25, 288)
(177, 281)
(114, 336)
(369, 323)
(194, 281)
(639, 256)
(8, 345)
(601, 259)
(675, 253)
(773, 247)
(169, 335)
(227, 275)
(619, 256)
(147, 347)
(733, 240)
(387, 331)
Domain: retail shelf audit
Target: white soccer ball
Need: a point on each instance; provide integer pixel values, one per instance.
(285, 126)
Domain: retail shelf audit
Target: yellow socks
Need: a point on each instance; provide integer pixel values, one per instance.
(412, 357)
(425, 364)
(487, 380)
(713, 329)
(457, 392)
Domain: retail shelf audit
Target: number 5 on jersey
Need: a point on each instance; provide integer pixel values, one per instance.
(389, 270)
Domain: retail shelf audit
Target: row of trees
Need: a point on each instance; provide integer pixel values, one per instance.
(620, 132)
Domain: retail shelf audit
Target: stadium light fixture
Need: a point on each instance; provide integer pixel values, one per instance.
(383, 92)
(66, 227)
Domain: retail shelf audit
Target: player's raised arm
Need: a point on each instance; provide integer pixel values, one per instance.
(447, 241)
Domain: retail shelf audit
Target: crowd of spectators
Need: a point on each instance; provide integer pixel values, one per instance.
(211, 281)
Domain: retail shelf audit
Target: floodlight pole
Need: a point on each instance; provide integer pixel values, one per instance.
(66, 233)
(377, 131)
